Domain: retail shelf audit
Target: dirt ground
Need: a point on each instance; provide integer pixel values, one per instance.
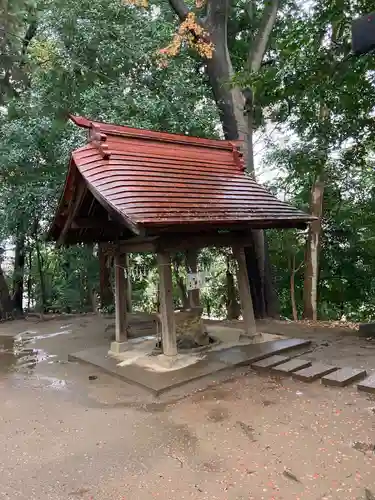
(70, 432)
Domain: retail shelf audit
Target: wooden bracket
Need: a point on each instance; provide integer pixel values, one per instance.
(98, 140)
(238, 156)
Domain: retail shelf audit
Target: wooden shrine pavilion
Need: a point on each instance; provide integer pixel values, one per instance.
(145, 191)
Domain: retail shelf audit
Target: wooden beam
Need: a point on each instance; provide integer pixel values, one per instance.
(168, 324)
(132, 245)
(128, 286)
(192, 262)
(73, 209)
(120, 299)
(177, 242)
(244, 290)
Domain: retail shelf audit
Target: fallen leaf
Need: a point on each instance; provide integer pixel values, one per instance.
(287, 473)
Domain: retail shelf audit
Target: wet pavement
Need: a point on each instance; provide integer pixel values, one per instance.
(70, 432)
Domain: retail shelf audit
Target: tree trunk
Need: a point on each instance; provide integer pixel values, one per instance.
(233, 307)
(238, 125)
(312, 252)
(29, 278)
(106, 292)
(293, 288)
(230, 101)
(231, 105)
(19, 273)
(181, 286)
(5, 300)
(43, 296)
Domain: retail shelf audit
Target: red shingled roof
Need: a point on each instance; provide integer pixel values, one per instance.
(155, 180)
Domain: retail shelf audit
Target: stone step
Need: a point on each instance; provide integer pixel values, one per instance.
(313, 372)
(343, 377)
(291, 366)
(267, 363)
(368, 385)
(366, 330)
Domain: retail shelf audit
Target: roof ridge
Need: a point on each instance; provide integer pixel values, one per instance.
(126, 131)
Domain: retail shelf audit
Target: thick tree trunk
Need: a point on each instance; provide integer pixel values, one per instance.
(106, 292)
(182, 289)
(312, 252)
(5, 300)
(230, 102)
(19, 273)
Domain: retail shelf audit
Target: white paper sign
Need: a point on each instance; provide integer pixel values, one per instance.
(195, 281)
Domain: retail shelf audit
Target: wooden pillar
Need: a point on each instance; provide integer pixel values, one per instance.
(244, 290)
(168, 325)
(128, 286)
(192, 263)
(120, 297)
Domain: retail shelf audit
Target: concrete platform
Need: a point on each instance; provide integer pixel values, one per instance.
(343, 377)
(313, 372)
(212, 362)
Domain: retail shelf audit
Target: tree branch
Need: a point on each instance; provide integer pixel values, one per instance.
(260, 42)
(29, 35)
(180, 8)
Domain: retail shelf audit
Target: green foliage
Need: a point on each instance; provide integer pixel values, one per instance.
(97, 58)
(325, 100)
(94, 58)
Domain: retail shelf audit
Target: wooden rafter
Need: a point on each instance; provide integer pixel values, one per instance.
(94, 223)
(72, 211)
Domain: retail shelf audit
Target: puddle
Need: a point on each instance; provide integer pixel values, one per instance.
(21, 357)
(54, 383)
(50, 335)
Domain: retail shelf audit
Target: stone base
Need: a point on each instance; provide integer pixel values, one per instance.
(212, 362)
(254, 337)
(117, 347)
(366, 330)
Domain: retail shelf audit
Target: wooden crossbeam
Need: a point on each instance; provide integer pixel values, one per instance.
(131, 245)
(180, 242)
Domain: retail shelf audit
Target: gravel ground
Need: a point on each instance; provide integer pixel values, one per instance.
(64, 436)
